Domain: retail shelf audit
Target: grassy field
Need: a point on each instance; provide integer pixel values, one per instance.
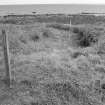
(53, 64)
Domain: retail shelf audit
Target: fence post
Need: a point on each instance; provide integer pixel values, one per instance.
(6, 58)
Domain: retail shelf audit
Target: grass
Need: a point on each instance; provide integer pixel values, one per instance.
(49, 70)
(59, 26)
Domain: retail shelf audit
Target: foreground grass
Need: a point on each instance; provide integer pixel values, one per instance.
(50, 70)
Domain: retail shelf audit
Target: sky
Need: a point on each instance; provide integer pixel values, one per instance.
(47, 8)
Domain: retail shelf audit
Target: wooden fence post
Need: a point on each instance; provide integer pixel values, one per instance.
(6, 58)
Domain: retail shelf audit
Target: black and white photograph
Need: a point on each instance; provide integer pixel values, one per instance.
(52, 54)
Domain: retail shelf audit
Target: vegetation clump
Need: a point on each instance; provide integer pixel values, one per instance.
(34, 37)
(83, 37)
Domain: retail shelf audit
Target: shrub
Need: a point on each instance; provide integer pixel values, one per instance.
(76, 54)
(84, 37)
(34, 37)
(103, 86)
(75, 30)
(47, 33)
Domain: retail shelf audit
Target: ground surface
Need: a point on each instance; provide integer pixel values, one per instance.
(51, 65)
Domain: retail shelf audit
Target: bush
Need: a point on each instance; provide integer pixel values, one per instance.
(76, 54)
(84, 37)
(47, 33)
(34, 37)
(75, 30)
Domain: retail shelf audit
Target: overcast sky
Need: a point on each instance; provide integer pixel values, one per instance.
(18, 9)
